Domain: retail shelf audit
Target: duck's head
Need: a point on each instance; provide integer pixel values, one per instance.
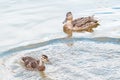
(44, 58)
(69, 17)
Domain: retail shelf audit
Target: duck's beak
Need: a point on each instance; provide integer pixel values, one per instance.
(64, 21)
(48, 61)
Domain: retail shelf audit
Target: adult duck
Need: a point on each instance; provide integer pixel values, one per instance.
(79, 24)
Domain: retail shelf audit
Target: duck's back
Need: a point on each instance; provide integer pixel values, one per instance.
(29, 60)
(80, 22)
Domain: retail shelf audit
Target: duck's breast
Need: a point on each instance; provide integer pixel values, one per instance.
(41, 68)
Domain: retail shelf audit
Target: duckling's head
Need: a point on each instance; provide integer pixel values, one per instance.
(44, 58)
(69, 17)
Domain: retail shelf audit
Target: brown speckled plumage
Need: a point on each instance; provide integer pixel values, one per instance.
(79, 24)
(31, 63)
(82, 21)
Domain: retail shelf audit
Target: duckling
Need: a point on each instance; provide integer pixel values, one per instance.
(33, 64)
(79, 24)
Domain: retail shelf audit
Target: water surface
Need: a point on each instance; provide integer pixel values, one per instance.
(34, 27)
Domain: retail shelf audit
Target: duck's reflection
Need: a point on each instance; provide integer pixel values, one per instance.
(69, 41)
(43, 74)
(70, 44)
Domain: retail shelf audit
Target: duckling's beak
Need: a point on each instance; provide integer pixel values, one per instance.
(48, 61)
(45, 60)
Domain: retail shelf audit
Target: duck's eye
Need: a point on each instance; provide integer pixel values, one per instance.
(69, 14)
(44, 56)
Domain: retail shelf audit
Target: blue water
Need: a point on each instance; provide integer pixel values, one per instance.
(34, 27)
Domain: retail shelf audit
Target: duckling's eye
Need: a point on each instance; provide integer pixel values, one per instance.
(45, 58)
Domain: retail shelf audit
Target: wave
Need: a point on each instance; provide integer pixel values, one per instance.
(61, 40)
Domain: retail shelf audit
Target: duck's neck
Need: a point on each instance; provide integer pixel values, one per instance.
(69, 21)
(41, 63)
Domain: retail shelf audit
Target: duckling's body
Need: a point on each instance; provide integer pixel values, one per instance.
(32, 64)
(79, 24)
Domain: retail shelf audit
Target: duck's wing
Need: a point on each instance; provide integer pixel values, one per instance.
(28, 59)
(82, 21)
(38, 61)
(30, 62)
(77, 21)
(34, 64)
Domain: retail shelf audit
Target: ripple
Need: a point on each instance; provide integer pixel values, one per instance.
(85, 59)
(62, 40)
(105, 13)
(116, 8)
